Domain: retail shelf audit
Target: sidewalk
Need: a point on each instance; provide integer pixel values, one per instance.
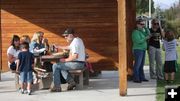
(101, 88)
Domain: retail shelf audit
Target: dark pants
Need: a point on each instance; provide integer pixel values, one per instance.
(13, 66)
(139, 56)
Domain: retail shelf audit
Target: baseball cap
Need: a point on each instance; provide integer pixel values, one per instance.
(68, 31)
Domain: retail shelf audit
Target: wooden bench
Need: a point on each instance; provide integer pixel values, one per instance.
(81, 77)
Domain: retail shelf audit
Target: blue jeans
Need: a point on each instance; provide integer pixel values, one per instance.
(63, 69)
(139, 56)
(26, 77)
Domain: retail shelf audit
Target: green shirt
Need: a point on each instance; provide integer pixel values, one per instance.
(139, 39)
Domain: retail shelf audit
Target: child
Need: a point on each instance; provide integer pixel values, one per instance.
(26, 38)
(25, 64)
(169, 44)
(88, 64)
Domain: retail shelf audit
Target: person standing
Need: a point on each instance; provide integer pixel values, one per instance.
(169, 45)
(139, 39)
(154, 50)
(25, 65)
(75, 60)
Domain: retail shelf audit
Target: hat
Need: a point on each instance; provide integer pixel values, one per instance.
(138, 20)
(68, 31)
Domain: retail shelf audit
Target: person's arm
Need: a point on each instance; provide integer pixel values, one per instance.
(10, 55)
(136, 37)
(18, 62)
(63, 47)
(33, 66)
(11, 58)
(70, 58)
(17, 65)
(161, 29)
(147, 31)
(32, 61)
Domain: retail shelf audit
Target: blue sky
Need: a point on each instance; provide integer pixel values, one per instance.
(164, 4)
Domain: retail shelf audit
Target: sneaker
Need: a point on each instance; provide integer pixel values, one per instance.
(71, 86)
(145, 80)
(55, 89)
(167, 82)
(137, 81)
(160, 78)
(171, 81)
(29, 92)
(153, 77)
(22, 91)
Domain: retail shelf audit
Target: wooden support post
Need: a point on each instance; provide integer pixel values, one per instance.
(0, 46)
(125, 26)
(122, 47)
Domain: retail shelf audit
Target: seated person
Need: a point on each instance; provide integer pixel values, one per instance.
(36, 42)
(13, 51)
(75, 60)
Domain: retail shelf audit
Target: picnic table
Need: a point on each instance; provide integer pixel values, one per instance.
(54, 58)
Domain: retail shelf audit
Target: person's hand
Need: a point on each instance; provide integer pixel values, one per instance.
(148, 37)
(55, 46)
(62, 60)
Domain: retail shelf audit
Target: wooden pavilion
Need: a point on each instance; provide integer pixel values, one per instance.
(104, 25)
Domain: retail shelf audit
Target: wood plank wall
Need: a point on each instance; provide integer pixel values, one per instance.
(94, 20)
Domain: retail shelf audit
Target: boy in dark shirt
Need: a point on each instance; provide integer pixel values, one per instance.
(25, 66)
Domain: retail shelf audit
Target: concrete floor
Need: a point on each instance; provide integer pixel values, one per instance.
(101, 88)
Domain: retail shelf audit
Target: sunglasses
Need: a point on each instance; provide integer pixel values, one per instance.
(65, 35)
(16, 40)
(155, 23)
(142, 24)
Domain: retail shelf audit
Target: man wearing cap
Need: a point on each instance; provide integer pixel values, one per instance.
(75, 60)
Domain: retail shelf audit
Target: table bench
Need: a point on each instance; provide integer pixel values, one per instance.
(81, 77)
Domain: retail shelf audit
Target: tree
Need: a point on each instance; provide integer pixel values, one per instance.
(172, 16)
(142, 6)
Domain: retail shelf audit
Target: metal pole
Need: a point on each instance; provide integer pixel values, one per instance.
(149, 13)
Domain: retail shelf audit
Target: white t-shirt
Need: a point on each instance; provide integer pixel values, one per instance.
(170, 50)
(13, 52)
(77, 47)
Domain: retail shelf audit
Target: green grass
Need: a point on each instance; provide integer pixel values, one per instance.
(160, 91)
